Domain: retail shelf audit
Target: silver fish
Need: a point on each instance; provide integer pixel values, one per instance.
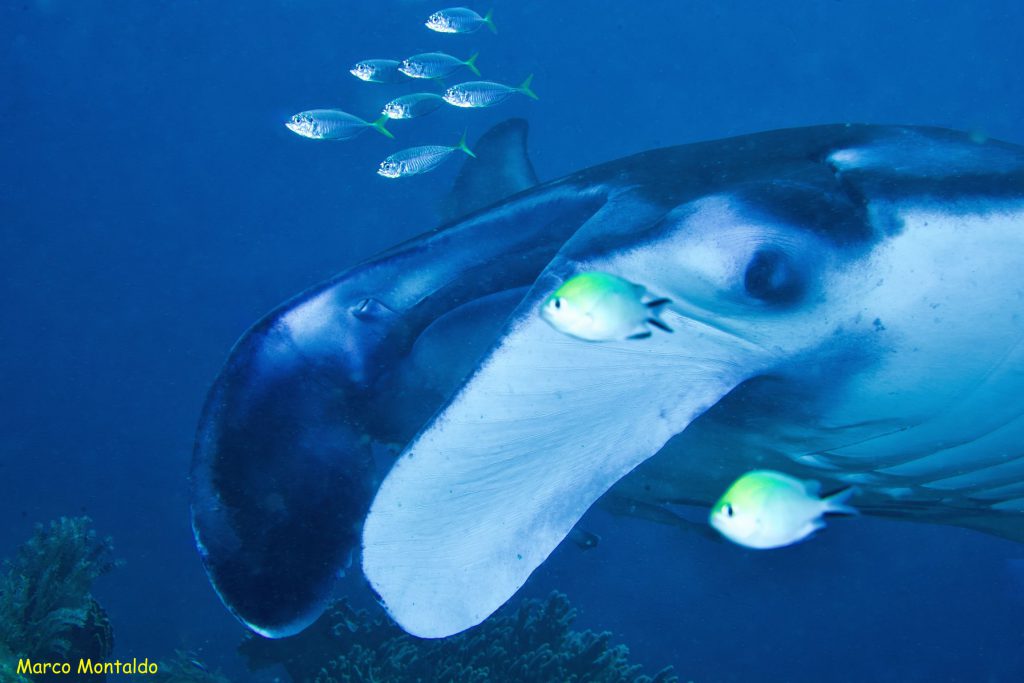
(378, 71)
(477, 94)
(459, 20)
(436, 65)
(416, 160)
(332, 124)
(411, 106)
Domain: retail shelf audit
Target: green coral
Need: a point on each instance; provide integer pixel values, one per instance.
(9, 667)
(46, 608)
(534, 643)
(185, 668)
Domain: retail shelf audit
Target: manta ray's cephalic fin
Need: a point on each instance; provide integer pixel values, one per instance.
(288, 447)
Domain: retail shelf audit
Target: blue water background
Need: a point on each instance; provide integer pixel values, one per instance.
(152, 206)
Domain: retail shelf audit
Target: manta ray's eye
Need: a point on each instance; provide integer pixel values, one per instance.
(772, 277)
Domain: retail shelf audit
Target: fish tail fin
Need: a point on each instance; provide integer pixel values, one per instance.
(471, 63)
(462, 145)
(524, 88)
(378, 125)
(659, 324)
(836, 504)
(654, 307)
(489, 20)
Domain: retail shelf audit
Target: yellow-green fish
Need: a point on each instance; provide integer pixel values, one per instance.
(767, 509)
(599, 306)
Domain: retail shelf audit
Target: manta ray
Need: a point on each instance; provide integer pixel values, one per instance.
(847, 304)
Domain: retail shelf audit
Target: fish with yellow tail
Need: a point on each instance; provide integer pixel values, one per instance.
(602, 307)
(333, 124)
(436, 65)
(767, 509)
(480, 94)
(416, 160)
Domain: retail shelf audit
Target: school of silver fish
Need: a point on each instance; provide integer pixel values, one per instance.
(428, 67)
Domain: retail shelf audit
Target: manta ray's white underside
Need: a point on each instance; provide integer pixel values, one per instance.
(547, 424)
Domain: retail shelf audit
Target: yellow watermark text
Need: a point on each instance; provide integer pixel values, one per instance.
(88, 667)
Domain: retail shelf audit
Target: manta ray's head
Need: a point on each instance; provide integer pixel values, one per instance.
(838, 298)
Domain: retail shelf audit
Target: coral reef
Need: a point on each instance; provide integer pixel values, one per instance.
(532, 644)
(9, 667)
(47, 611)
(185, 668)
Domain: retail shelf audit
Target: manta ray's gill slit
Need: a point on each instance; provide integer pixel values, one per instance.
(980, 450)
(1004, 492)
(1010, 471)
(1014, 505)
(973, 423)
(932, 458)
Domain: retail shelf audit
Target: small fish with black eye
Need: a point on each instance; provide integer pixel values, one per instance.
(602, 307)
(767, 509)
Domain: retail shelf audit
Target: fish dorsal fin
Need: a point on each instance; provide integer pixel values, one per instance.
(501, 169)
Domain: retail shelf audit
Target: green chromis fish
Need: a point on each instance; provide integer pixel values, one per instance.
(767, 509)
(411, 106)
(378, 71)
(600, 307)
(332, 124)
(416, 160)
(436, 65)
(459, 20)
(478, 94)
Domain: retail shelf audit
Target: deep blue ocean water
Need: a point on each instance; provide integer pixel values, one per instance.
(153, 206)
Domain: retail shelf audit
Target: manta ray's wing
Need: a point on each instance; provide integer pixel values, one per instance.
(284, 463)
